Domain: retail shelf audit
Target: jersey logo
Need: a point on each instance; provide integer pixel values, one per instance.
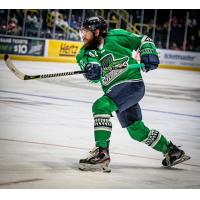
(147, 39)
(108, 62)
(112, 67)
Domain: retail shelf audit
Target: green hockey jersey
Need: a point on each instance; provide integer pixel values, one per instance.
(116, 53)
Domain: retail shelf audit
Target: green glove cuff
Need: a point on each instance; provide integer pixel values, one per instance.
(148, 48)
(148, 51)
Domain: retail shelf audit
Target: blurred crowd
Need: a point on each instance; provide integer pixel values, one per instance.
(61, 24)
(177, 27)
(177, 31)
(39, 24)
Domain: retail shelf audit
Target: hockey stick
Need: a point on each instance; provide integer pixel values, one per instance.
(23, 76)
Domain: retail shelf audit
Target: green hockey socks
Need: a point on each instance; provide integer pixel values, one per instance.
(153, 138)
(102, 110)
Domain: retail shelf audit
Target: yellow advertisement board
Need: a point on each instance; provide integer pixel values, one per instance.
(60, 48)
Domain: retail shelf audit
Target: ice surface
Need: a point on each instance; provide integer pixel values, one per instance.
(46, 126)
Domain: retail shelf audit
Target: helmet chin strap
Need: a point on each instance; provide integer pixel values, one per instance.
(101, 44)
(97, 40)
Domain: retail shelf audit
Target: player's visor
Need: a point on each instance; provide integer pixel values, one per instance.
(83, 31)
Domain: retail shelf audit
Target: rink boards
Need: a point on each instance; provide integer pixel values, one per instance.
(49, 50)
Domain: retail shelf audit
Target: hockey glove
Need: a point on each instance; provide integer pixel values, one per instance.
(93, 71)
(150, 61)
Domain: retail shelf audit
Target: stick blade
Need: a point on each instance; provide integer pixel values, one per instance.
(6, 56)
(12, 67)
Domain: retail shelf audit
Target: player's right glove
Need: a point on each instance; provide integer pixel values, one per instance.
(93, 71)
(149, 55)
(150, 61)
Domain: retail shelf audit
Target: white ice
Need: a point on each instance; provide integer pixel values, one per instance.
(46, 126)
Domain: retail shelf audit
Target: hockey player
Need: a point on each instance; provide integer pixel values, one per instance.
(106, 57)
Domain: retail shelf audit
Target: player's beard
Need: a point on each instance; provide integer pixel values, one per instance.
(92, 44)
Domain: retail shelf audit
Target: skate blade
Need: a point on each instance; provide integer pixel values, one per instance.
(182, 159)
(98, 167)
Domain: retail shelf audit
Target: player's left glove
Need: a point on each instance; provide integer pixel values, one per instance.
(150, 61)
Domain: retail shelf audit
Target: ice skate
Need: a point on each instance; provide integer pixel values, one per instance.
(98, 159)
(174, 156)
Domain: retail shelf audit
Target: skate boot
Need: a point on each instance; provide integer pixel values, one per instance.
(174, 156)
(98, 159)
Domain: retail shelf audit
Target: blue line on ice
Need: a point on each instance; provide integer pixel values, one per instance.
(89, 102)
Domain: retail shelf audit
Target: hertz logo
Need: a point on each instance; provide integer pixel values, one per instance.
(68, 50)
